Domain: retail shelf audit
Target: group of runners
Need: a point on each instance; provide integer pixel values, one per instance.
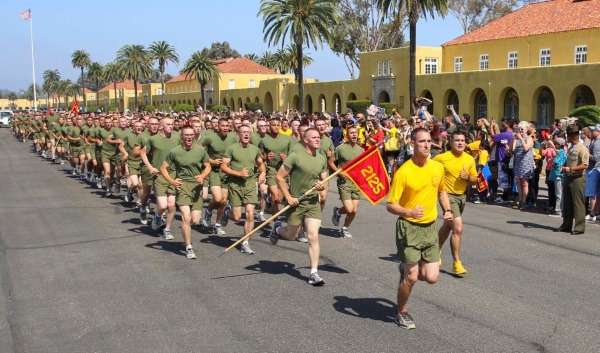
(239, 162)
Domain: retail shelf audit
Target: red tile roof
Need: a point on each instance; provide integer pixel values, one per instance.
(128, 85)
(536, 19)
(240, 65)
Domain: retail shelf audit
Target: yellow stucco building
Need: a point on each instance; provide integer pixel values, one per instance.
(537, 63)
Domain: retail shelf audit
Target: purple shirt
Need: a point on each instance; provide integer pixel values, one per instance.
(502, 140)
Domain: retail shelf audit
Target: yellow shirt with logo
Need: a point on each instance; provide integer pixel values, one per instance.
(452, 167)
(418, 186)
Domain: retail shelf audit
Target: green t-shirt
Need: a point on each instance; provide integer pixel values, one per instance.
(158, 146)
(255, 138)
(278, 145)
(242, 157)
(103, 134)
(326, 145)
(344, 153)
(75, 132)
(119, 134)
(305, 171)
(130, 142)
(187, 163)
(66, 130)
(51, 119)
(216, 145)
(57, 129)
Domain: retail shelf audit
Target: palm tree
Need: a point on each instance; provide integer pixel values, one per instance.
(203, 69)
(30, 96)
(415, 9)
(163, 52)
(51, 77)
(136, 64)
(96, 73)
(81, 59)
(268, 60)
(71, 90)
(306, 21)
(285, 61)
(12, 96)
(61, 90)
(252, 56)
(114, 74)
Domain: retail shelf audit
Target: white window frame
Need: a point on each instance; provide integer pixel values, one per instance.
(431, 66)
(484, 62)
(251, 84)
(231, 84)
(513, 59)
(581, 54)
(379, 68)
(545, 55)
(390, 67)
(384, 71)
(458, 63)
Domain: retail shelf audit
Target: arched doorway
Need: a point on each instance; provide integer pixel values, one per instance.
(383, 97)
(337, 102)
(224, 101)
(453, 101)
(308, 104)
(322, 103)
(256, 100)
(352, 96)
(295, 102)
(239, 104)
(429, 96)
(231, 106)
(511, 104)
(481, 104)
(268, 103)
(582, 95)
(545, 108)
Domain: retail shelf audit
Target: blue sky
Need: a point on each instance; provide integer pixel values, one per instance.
(101, 27)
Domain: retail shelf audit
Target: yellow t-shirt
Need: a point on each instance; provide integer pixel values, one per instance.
(286, 132)
(418, 186)
(483, 157)
(452, 167)
(474, 146)
(361, 135)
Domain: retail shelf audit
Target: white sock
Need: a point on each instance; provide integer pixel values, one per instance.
(313, 270)
(245, 242)
(188, 247)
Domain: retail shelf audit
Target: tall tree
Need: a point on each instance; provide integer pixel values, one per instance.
(306, 21)
(96, 73)
(81, 59)
(12, 97)
(219, 50)
(113, 74)
(71, 89)
(163, 53)
(365, 28)
(203, 69)
(135, 63)
(267, 59)
(252, 56)
(51, 78)
(29, 95)
(472, 14)
(285, 61)
(416, 9)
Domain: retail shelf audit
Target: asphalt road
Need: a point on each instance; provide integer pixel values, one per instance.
(79, 274)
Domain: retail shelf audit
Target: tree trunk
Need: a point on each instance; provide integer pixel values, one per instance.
(300, 75)
(203, 94)
(117, 107)
(135, 101)
(162, 90)
(413, 17)
(83, 90)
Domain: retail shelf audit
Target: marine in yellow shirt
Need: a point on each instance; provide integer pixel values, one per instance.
(459, 171)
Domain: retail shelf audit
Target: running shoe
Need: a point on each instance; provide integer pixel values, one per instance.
(167, 234)
(274, 237)
(260, 217)
(335, 219)
(302, 237)
(555, 214)
(218, 230)
(128, 197)
(73, 171)
(499, 200)
(143, 218)
(53, 160)
(155, 223)
(108, 193)
(315, 280)
(44, 154)
(99, 183)
(477, 202)
(404, 320)
(203, 222)
(268, 200)
(207, 216)
(62, 162)
(225, 217)
(189, 253)
(458, 268)
(344, 233)
(117, 188)
(245, 249)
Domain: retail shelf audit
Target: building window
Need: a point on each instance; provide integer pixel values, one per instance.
(251, 84)
(545, 106)
(545, 57)
(580, 54)
(431, 65)
(379, 68)
(511, 104)
(481, 105)
(390, 67)
(483, 62)
(385, 68)
(158, 92)
(231, 84)
(513, 60)
(458, 64)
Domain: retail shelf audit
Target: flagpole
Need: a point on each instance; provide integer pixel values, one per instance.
(33, 62)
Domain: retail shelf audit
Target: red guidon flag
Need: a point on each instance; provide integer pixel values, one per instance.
(75, 107)
(369, 174)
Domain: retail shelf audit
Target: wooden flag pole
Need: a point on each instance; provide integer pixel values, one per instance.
(277, 214)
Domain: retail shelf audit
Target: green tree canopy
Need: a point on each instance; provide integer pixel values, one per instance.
(203, 68)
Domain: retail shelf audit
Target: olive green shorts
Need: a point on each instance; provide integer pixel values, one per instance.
(416, 241)
(217, 178)
(190, 194)
(77, 151)
(271, 172)
(134, 166)
(347, 190)
(242, 192)
(97, 156)
(457, 204)
(162, 187)
(119, 159)
(108, 157)
(309, 207)
(147, 177)
(88, 149)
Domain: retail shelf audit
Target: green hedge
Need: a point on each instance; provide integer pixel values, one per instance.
(218, 108)
(388, 107)
(184, 107)
(358, 106)
(588, 114)
(252, 106)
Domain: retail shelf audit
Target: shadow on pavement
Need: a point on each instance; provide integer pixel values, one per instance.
(174, 247)
(366, 308)
(221, 241)
(390, 257)
(531, 225)
(276, 268)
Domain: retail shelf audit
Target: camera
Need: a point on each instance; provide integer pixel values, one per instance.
(449, 106)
